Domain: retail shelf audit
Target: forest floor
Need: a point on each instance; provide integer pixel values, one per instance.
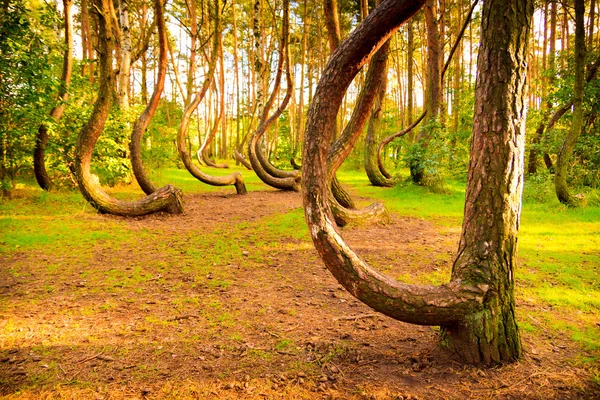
(230, 300)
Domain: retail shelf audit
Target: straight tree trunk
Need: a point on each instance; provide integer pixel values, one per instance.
(409, 73)
(86, 41)
(590, 37)
(126, 48)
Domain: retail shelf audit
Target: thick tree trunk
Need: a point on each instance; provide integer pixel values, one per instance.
(566, 151)
(135, 145)
(167, 198)
(477, 307)
(39, 153)
(488, 245)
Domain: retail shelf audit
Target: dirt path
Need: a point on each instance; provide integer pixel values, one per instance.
(214, 304)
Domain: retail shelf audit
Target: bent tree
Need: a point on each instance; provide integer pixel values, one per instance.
(476, 308)
(166, 198)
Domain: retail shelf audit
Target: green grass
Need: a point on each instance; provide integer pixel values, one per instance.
(559, 250)
(558, 266)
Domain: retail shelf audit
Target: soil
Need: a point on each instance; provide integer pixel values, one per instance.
(269, 323)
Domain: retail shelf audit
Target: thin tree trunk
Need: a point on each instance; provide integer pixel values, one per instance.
(39, 153)
(203, 152)
(261, 166)
(126, 47)
(236, 70)
(370, 157)
(592, 17)
(566, 151)
(387, 140)
(409, 72)
(433, 86)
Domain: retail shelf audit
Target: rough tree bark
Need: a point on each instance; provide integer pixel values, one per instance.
(566, 150)
(167, 198)
(235, 178)
(476, 308)
(39, 152)
(135, 145)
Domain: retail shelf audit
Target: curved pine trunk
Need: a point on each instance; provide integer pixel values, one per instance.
(168, 198)
(476, 308)
(340, 195)
(263, 168)
(135, 145)
(342, 206)
(372, 169)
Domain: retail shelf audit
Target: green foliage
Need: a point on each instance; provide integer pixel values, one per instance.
(28, 60)
(584, 168)
(158, 144)
(439, 156)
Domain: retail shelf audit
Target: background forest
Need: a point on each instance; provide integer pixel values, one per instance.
(236, 297)
(33, 49)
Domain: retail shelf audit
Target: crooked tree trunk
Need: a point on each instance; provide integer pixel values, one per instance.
(135, 145)
(370, 157)
(203, 151)
(262, 168)
(167, 198)
(547, 105)
(476, 308)
(39, 153)
(342, 205)
(235, 178)
(558, 113)
(566, 150)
